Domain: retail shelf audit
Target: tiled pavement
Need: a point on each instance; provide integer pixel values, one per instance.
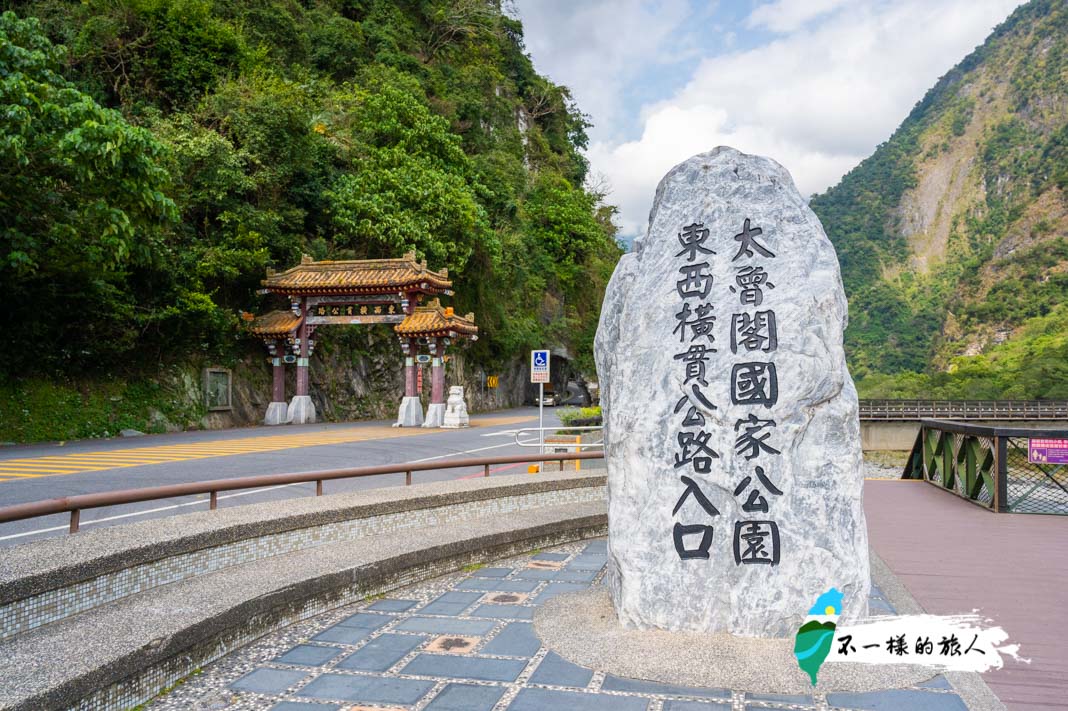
(465, 643)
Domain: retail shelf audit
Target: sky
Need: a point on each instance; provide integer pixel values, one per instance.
(813, 84)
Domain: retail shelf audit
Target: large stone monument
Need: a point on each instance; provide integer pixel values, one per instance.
(731, 430)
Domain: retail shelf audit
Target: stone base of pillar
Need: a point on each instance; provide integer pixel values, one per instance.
(277, 414)
(410, 413)
(301, 410)
(435, 415)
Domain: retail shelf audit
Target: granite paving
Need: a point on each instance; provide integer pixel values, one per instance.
(464, 642)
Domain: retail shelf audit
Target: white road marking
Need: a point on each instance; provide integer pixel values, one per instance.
(498, 434)
(225, 496)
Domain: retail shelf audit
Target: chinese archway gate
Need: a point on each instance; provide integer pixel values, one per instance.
(360, 292)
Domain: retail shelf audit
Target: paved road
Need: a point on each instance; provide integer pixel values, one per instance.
(34, 472)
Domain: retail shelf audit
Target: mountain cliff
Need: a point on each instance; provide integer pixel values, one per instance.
(953, 234)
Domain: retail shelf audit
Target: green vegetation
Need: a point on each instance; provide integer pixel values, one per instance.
(157, 156)
(997, 290)
(37, 409)
(569, 415)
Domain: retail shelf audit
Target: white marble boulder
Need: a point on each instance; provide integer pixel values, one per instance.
(731, 430)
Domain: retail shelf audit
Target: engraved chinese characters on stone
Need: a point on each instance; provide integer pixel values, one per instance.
(726, 397)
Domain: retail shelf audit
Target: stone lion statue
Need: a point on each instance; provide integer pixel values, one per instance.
(456, 409)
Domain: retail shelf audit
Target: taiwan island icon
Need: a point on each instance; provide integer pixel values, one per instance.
(816, 635)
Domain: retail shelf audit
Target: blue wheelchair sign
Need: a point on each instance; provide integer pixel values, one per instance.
(539, 366)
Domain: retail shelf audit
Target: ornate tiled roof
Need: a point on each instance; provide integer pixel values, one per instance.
(436, 320)
(277, 324)
(360, 276)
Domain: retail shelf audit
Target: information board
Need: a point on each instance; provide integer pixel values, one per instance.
(1047, 451)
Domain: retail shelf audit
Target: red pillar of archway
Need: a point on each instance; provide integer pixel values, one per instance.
(435, 413)
(278, 372)
(411, 408)
(277, 410)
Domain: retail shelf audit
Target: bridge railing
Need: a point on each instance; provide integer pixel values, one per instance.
(912, 410)
(998, 468)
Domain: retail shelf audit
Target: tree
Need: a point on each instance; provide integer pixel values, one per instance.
(81, 199)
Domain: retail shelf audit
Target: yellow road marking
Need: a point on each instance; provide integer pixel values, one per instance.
(45, 466)
(60, 464)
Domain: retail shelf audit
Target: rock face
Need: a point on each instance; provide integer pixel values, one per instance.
(731, 429)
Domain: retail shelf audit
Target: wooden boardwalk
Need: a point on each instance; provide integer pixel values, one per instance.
(954, 557)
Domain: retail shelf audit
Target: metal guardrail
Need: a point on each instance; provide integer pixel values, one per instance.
(1007, 410)
(563, 428)
(989, 466)
(75, 504)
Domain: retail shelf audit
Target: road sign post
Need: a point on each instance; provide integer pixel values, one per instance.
(539, 373)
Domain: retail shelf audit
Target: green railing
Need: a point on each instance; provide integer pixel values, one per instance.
(989, 466)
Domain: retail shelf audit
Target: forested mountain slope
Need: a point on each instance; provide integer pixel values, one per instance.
(157, 156)
(953, 235)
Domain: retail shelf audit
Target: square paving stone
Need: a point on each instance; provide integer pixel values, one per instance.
(342, 635)
(393, 605)
(545, 699)
(544, 565)
(678, 705)
(939, 682)
(382, 652)
(504, 612)
(505, 598)
(447, 626)
(553, 589)
(497, 585)
(453, 667)
(551, 556)
(466, 697)
(452, 644)
(587, 563)
(799, 699)
(583, 576)
(451, 603)
(618, 683)
(491, 573)
(309, 655)
(303, 706)
(554, 670)
(268, 681)
(897, 699)
(374, 689)
(455, 596)
(364, 621)
(515, 640)
(536, 574)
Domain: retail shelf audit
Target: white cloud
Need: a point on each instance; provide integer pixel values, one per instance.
(817, 100)
(597, 47)
(791, 15)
